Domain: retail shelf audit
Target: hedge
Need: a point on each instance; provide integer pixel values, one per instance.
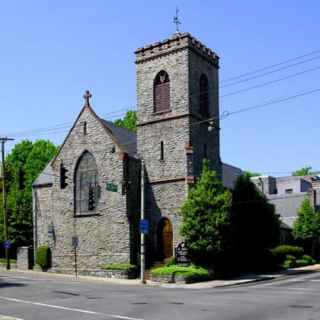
(281, 252)
(43, 257)
(190, 272)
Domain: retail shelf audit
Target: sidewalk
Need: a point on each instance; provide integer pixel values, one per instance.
(250, 278)
(70, 277)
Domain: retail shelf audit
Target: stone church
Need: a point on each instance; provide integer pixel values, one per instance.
(98, 206)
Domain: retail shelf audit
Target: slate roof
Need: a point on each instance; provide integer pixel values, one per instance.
(126, 139)
(46, 177)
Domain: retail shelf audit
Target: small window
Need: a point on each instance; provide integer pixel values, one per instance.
(161, 92)
(289, 191)
(161, 151)
(85, 128)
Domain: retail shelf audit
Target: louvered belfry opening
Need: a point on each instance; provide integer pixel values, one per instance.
(204, 96)
(161, 92)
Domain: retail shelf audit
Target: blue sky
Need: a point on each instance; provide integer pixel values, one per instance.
(54, 50)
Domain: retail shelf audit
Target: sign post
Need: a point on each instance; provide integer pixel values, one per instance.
(75, 245)
(142, 234)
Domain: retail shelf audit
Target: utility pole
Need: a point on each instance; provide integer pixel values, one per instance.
(4, 197)
(142, 235)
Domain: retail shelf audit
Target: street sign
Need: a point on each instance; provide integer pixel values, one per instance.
(110, 186)
(144, 226)
(75, 242)
(7, 244)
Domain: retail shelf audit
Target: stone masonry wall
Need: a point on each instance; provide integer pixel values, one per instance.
(184, 59)
(104, 236)
(200, 136)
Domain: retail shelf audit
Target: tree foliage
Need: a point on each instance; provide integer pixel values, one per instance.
(255, 226)
(205, 215)
(307, 224)
(252, 174)
(31, 158)
(129, 121)
(305, 171)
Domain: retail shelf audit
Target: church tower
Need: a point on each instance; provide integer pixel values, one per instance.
(177, 92)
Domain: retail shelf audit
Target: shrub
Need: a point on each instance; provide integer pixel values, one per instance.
(290, 262)
(43, 257)
(191, 272)
(305, 261)
(281, 252)
(119, 266)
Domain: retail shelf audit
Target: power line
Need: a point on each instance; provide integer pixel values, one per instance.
(59, 128)
(269, 72)
(257, 106)
(270, 66)
(270, 82)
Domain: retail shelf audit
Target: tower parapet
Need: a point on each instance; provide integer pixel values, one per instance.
(178, 41)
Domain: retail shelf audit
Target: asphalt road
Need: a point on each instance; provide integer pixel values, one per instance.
(31, 297)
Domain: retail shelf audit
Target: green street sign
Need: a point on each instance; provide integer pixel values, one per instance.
(110, 186)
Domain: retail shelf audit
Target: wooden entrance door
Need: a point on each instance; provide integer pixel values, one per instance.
(165, 239)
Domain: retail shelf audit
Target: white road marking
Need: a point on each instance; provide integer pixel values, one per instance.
(67, 308)
(8, 318)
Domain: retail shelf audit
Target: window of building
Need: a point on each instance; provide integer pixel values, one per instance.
(161, 151)
(85, 128)
(204, 96)
(289, 191)
(86, 184)
(205, 151)
(161, 92)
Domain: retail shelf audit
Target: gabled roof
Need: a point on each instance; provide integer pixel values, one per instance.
(126, 139)
(46, 177)
(116, 134)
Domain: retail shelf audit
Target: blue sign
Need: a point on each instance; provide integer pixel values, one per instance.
(144, 226)
(7, 244)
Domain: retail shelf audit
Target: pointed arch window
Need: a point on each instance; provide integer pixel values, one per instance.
(86, 185)
(204, 96)
(161, 92)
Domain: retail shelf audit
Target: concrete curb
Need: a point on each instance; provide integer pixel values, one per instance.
(241, 281)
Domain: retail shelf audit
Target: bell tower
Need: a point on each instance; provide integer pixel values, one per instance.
(177, 93)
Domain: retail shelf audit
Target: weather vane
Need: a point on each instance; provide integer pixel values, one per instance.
(176, 20)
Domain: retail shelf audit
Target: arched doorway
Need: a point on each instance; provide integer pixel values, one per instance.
(165, 239)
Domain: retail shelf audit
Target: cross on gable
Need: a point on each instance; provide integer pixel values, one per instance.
(87, 96)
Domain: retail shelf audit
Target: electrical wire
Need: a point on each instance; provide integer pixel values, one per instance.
(269, 66)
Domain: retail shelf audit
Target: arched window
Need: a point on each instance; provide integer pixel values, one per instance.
(161, 92)
(86, 184)
(204, 96)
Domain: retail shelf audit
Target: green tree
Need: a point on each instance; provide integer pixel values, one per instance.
(31, 158)
(306, 227)
(129, 121)
(305, 171)
(205, 215)
(252, 174)
(255, 226)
